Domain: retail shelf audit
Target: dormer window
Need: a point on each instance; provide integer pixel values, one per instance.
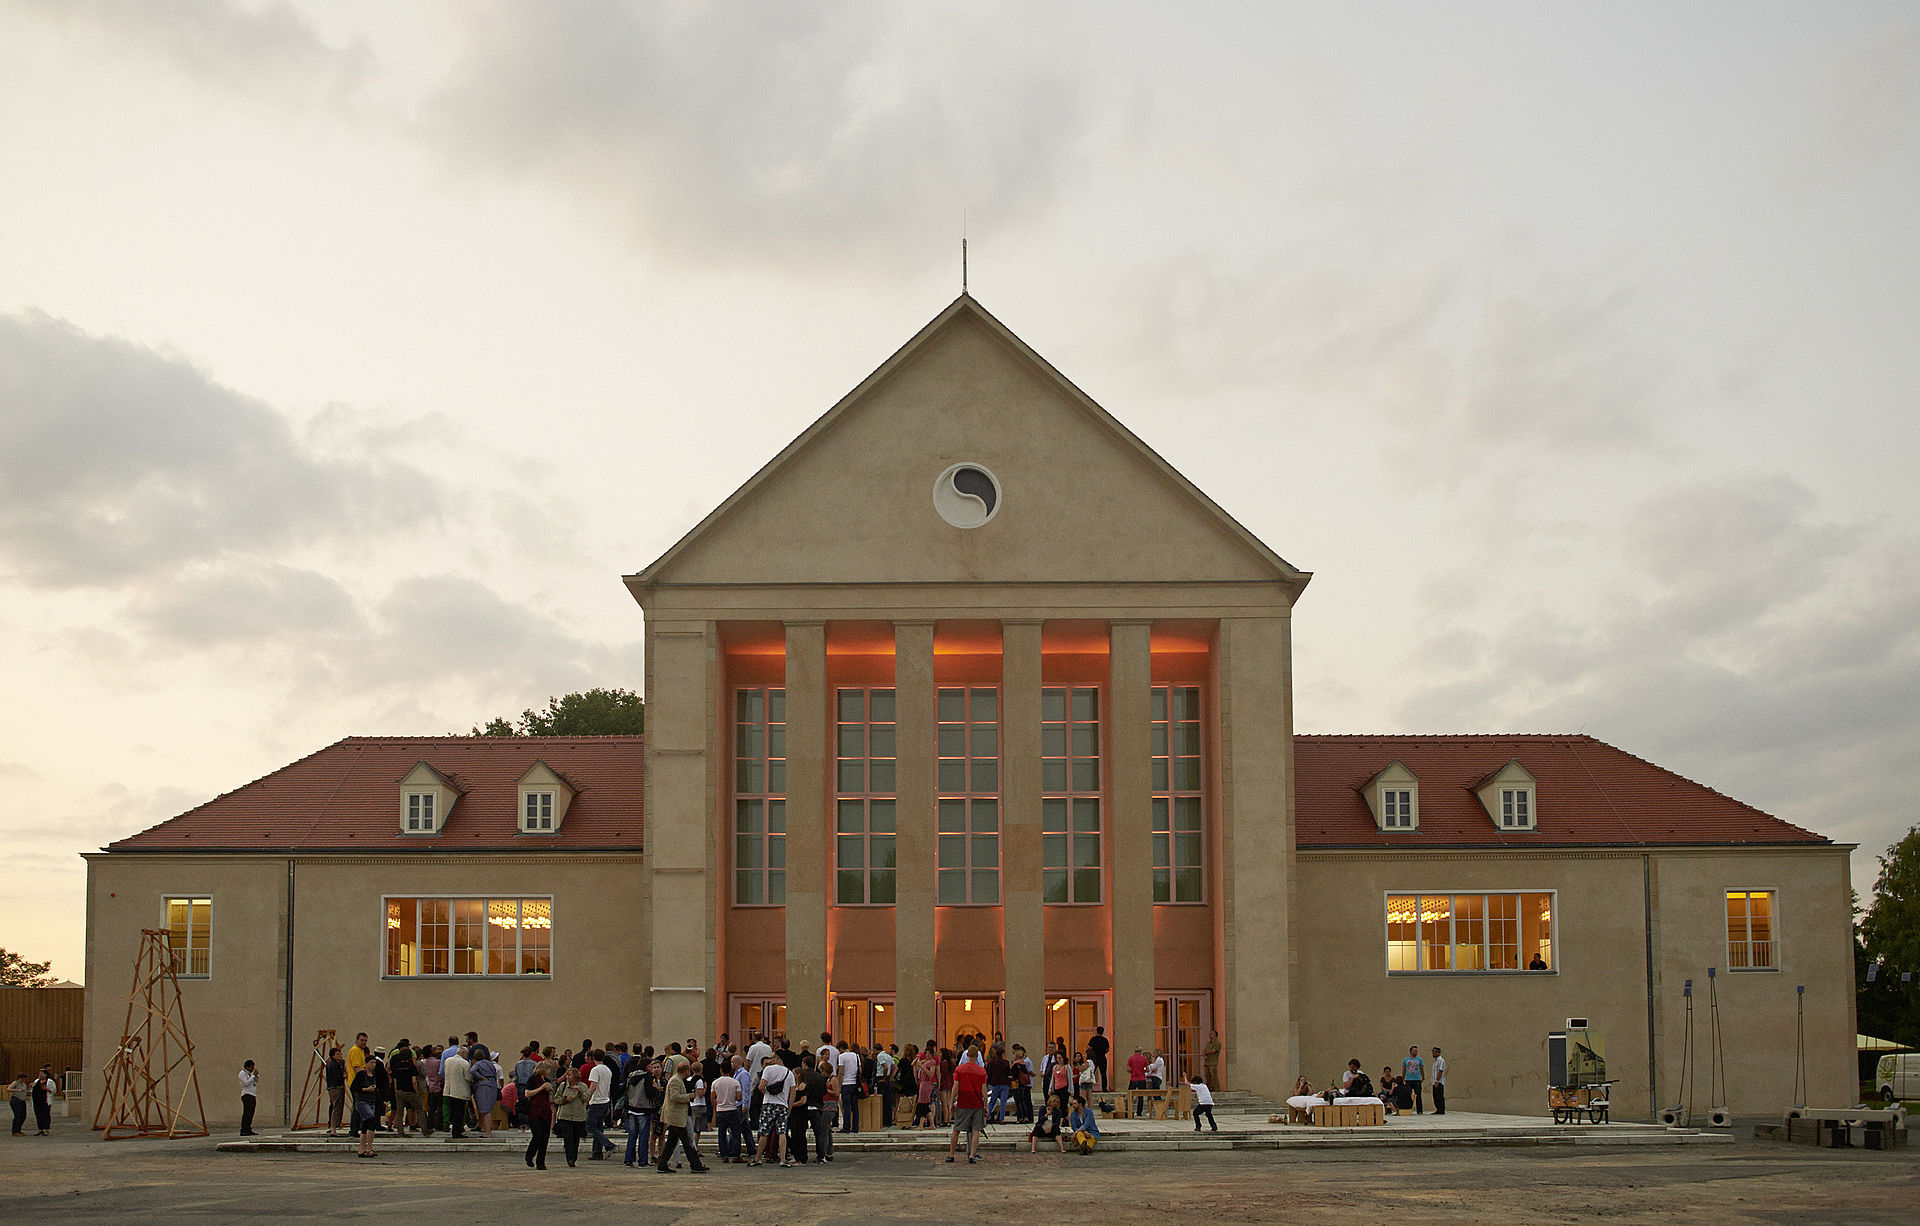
(1394, 797)
(1508, 797)
(544, 797)
(426, 800)
(420, 813)
(537, 818)
(1396, 808)
(1516, 808)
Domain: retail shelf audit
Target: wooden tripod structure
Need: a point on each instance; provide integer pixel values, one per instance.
(139, 1098)
(314, 1087)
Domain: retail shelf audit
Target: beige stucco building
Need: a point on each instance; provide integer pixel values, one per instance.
(969, 714)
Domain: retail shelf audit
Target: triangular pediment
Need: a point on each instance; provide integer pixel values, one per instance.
(1080, 499)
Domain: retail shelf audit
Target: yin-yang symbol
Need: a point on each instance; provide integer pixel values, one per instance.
(966, 495)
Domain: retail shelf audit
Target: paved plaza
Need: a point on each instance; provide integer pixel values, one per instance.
(74, 1177)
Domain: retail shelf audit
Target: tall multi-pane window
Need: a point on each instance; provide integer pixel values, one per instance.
(486, 937)
(1469, 932)
(760, 796)
(420, 812)
(969, 787)
(1750, 930)
(1070, 790)
(863, 779)
(190, 935)
(1516, 807)
(1178, 800)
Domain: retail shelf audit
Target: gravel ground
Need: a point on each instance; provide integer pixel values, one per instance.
(72, 1177)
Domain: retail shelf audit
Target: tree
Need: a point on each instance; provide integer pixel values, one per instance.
(1889, 935)
(17, 972)
(596, 712)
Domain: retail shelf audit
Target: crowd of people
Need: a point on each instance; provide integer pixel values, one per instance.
(767, 1102)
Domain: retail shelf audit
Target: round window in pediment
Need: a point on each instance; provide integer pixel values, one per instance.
(966, 495)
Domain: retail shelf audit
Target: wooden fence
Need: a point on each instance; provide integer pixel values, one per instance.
(41, 1026)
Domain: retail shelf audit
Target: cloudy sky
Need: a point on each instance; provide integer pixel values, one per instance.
(350, 353)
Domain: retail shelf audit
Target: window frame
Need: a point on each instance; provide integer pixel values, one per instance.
(546, 797)
(1165, 841)
(166, 909)
(1071, 796)
(1525, 792)
(768, 800)
(1486, 925)
(486, 930)
(1396, 808)
(972, 799)
(865, 798)
(1773, 920)
(425, 800)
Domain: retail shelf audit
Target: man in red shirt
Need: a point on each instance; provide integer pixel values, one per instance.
(969, 1103)
(1137, 1076)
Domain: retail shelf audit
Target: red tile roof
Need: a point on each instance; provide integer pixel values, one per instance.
(346, 797)
(1587, 793)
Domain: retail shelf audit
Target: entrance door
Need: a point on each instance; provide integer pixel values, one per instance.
(1073, 1018)
(866, 1020)
(1180, 1031)
(752, 1015)
(961, 1018)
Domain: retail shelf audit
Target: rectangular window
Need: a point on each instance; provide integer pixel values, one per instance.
(539, 814)
(1470, 932)
(759, 797)
(190, 936)
(1516, 807)
(1070, 790)
(969, 791)
(1396, 809)
(1178, 801)
(475, 937)
(863, 779)
(1750, 930)
(420, 811)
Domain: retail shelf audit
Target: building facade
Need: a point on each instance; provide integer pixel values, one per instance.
(969, 715)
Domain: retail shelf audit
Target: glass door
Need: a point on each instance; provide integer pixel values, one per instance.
(764, 1015)
(963, 1018)
(866, 1020)
(1073, 1018)
(1180, 1024)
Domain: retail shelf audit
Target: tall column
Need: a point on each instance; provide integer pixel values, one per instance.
(1130, 837)
(806, 829)
(1020, 878)
(1253, 664)
(681, 749)
(915, 735)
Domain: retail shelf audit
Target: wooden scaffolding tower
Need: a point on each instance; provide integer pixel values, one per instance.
(313, 1090)
(149, 1077)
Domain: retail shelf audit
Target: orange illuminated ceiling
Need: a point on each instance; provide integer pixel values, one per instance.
(964, 638)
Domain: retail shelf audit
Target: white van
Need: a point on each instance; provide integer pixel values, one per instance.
(1898, 1076)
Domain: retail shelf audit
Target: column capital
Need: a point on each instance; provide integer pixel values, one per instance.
(913, 621)
(1117, 622)
(1023, 621)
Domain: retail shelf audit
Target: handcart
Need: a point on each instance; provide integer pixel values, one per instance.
(1587, 1103)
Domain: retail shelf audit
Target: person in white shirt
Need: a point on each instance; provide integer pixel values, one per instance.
(776, 1084)
(826, 1056)
(850, 1089)
(1439, 1083)
(249, 1094)
(1157, 1071)
(758, 1053)
(1202, 1104)
(600, 1078)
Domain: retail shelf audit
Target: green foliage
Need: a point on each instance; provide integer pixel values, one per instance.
(1889, 934)
(17, 972)
(596, 712)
